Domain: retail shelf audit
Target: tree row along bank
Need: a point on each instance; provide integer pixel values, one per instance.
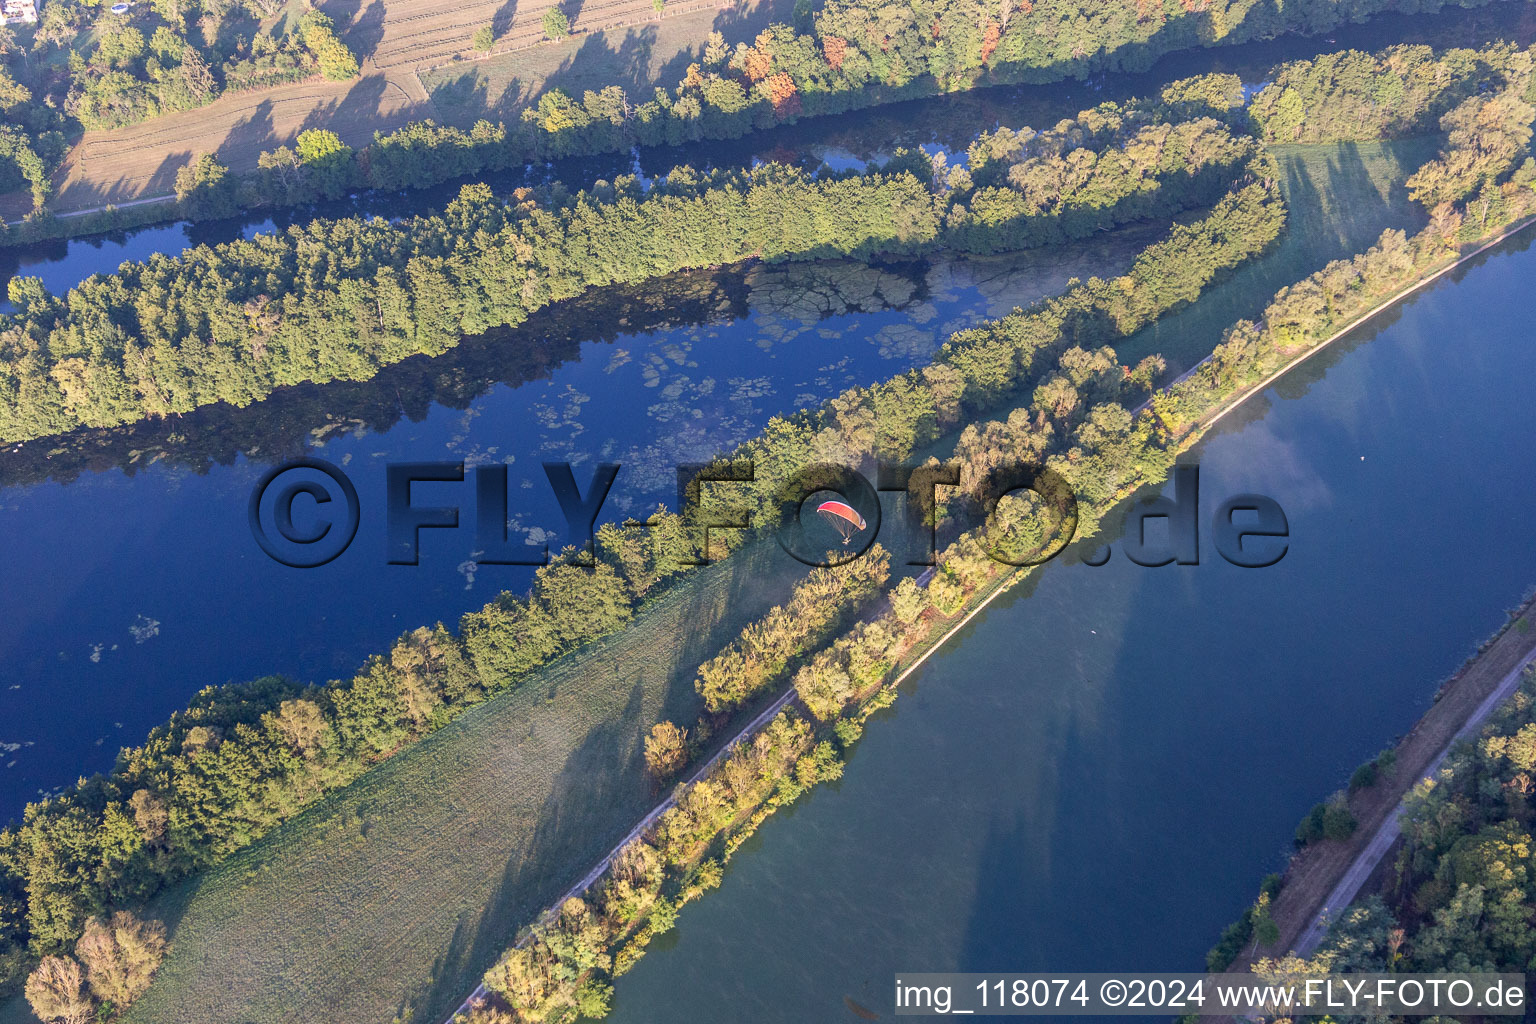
(340, 299)
(244, 758)
(1103, 453)
(856, 54)
(1420, 80)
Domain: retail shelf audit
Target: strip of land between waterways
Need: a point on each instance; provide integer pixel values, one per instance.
(1465, 701)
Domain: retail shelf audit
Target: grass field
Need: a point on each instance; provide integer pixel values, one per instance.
(393, 896)
(1340, 198)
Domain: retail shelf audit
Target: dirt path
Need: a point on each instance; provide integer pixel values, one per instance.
(1324, 879)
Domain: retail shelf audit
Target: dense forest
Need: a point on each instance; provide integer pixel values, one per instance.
(243, 758)
(340, 299)
(1402, 90)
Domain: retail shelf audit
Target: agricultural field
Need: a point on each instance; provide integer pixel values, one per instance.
(411, 70)
(141, 160)
(646, 54)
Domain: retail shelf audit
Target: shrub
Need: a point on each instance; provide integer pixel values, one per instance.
(556, 25)
(1364, 777)
(945, 593)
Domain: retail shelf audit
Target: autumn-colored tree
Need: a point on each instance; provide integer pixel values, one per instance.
(150, 815)
(835, 49)
(56, 990)
(783, 95)
(757, 63)
(121, 956)
(666, 750)
(482, 1012)
(908, 601)
(301, 723)
(989, 41)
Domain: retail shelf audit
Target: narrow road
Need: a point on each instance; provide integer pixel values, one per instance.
(591, 877)
(1354, 878)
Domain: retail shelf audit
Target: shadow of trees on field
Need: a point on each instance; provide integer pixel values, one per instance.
(597, 63)
(572, 10)
(164, 177)
(501, 21)
(355, 111)
(602, 789)
(468, 93)
(254, 131)
(366, 31)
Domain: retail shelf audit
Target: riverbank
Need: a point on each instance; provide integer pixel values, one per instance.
(1325, 878)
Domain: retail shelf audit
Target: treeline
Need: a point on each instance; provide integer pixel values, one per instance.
(1353, 96)
(243, 758)
(757, 659)
(340, 299)
(859, 53)
(424, 153)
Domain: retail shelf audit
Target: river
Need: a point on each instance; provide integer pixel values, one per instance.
(1095, 774)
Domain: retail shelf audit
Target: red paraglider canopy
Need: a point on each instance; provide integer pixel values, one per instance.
(841, 511)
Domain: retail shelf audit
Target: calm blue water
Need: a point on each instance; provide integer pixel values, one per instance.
(133, 579)
(1098, 773)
